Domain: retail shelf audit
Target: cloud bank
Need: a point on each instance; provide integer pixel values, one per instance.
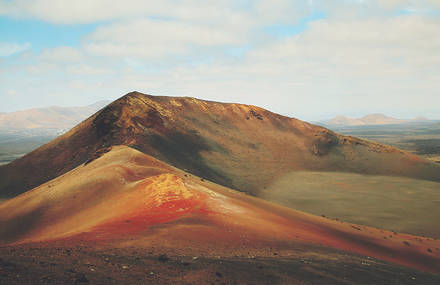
(309, 59)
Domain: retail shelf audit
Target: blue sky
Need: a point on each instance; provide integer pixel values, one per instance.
(289, 30)
(41, 34)
(307, 59)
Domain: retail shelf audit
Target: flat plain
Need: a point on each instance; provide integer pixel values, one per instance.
(388, 202)
(421, 138)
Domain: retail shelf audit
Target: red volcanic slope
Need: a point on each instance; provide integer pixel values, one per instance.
(127, 198)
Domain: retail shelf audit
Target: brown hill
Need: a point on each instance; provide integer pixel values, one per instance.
(54, 117)
(371, 119)
(239, 146)
(128, 199)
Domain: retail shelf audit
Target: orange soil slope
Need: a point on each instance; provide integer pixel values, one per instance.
(127, 198)
(239, 146)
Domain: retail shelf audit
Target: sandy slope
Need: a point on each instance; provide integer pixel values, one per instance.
(126, 198)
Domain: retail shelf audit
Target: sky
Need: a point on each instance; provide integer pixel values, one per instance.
(306, 59)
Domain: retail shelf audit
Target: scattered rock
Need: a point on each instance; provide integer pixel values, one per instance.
(163, 258)
(356, 228)
(80, 278)
(305, 261)
(365, 263)
(256, 115)
(6, 264)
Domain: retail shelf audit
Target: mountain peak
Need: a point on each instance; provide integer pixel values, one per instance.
(375, 115)
(221, 142)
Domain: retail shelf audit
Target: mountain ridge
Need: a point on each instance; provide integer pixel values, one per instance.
(222, 142)
(370, 119)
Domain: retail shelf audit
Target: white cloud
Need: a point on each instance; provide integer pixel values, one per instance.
(390, 4)
(8, 49)
(281, 11)
(149, 38)
(363, 56)
(87, 11)
(62, 54)
(383, 65)
(59, 11)
(86, 69)
(40, 67)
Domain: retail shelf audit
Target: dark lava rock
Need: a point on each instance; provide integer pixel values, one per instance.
(80, 278)
(163, 258)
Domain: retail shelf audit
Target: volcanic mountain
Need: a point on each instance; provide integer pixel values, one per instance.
(124, 198)
(151, 174)
(238, 146)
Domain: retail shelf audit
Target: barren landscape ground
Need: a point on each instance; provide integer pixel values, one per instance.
(138, 185)
(43, 264)
(389, 202)
(126, 217)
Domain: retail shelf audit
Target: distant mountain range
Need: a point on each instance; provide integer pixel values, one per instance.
(49, 118)
(371, 119)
